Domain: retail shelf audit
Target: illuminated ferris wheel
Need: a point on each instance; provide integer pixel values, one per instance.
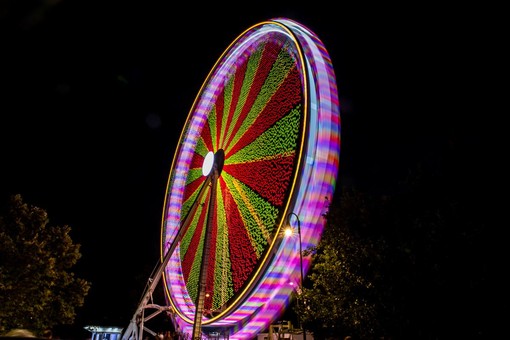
(261, 144)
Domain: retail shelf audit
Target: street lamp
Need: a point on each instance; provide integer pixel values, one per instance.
(300, 260)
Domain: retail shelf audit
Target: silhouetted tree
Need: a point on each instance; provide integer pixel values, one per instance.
(341, 294)
(37, 288)
(411, 264)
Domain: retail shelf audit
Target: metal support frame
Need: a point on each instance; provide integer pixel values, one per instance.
(136, 326)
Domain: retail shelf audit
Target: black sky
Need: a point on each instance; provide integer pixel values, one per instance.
(94, 95)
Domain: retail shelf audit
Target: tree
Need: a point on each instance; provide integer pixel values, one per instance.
(412, 264)
(38, 290)
(341, 296)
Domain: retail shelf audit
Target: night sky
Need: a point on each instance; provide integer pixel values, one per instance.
(94, 97)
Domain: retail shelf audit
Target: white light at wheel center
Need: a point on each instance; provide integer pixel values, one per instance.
(208, 163)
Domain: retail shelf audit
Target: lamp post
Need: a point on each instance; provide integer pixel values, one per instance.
(300, 262)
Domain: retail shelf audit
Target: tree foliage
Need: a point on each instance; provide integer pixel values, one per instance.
(38, 290)
(340, 295)
(410, 265)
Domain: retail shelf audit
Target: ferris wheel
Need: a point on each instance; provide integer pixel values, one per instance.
(259, 151)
